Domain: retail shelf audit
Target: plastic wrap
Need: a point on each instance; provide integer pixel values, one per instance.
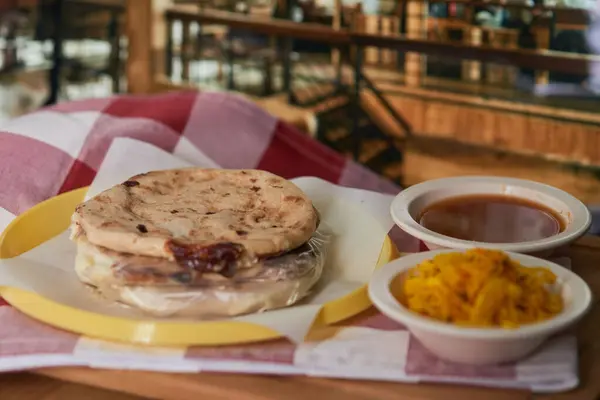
(266, 284)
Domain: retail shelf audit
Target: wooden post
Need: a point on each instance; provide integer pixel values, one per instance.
(400, 12)
(389, 27)
(115, 51)
(414, 65)
(371, 54)
(493, 70)
(57, 52)
(357, 24)
(184, 51)
(473, 68)
(159, 35)
(138, 26)
(337, 25)
(511, 71)
(542, 37)
(146, 42)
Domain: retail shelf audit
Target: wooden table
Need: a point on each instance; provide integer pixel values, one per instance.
(585, 255)
(24, 386)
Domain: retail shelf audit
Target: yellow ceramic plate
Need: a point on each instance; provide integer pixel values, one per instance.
(51, 217)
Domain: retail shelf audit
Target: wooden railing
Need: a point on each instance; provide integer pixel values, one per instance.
(531, 126)
(141, 32)
(567, 63)
(263, 25)
(536, 59)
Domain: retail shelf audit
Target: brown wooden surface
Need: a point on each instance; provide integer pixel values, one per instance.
(24, 386)
(585, 255)
(426, 157)
(244, 387)
(431, 158)
(545, 131)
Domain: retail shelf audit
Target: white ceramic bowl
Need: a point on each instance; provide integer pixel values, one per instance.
(410, 203)
(478, 346)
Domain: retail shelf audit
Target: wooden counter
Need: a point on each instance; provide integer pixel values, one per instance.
(23, 386)
(585, 255)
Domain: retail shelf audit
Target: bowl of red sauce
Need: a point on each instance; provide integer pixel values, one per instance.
(491, 212)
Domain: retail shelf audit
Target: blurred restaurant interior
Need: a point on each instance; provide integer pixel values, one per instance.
(412, 89)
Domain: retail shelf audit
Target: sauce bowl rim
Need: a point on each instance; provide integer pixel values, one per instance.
(581, 216)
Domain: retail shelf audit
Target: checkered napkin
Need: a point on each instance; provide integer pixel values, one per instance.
(60, 149)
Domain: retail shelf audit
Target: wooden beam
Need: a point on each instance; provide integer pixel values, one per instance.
(269, 26)
(536, 59)
(99, 4)
(416, 28)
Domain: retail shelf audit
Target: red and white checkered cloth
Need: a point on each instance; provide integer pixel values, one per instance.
(60, 149)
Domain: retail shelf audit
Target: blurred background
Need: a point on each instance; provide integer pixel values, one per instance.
(412, 89)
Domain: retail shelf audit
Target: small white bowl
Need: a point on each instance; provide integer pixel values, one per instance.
(410, 203)
(478, 346)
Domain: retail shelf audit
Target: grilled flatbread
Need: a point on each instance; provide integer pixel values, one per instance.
(199, 242)
(204, 219)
